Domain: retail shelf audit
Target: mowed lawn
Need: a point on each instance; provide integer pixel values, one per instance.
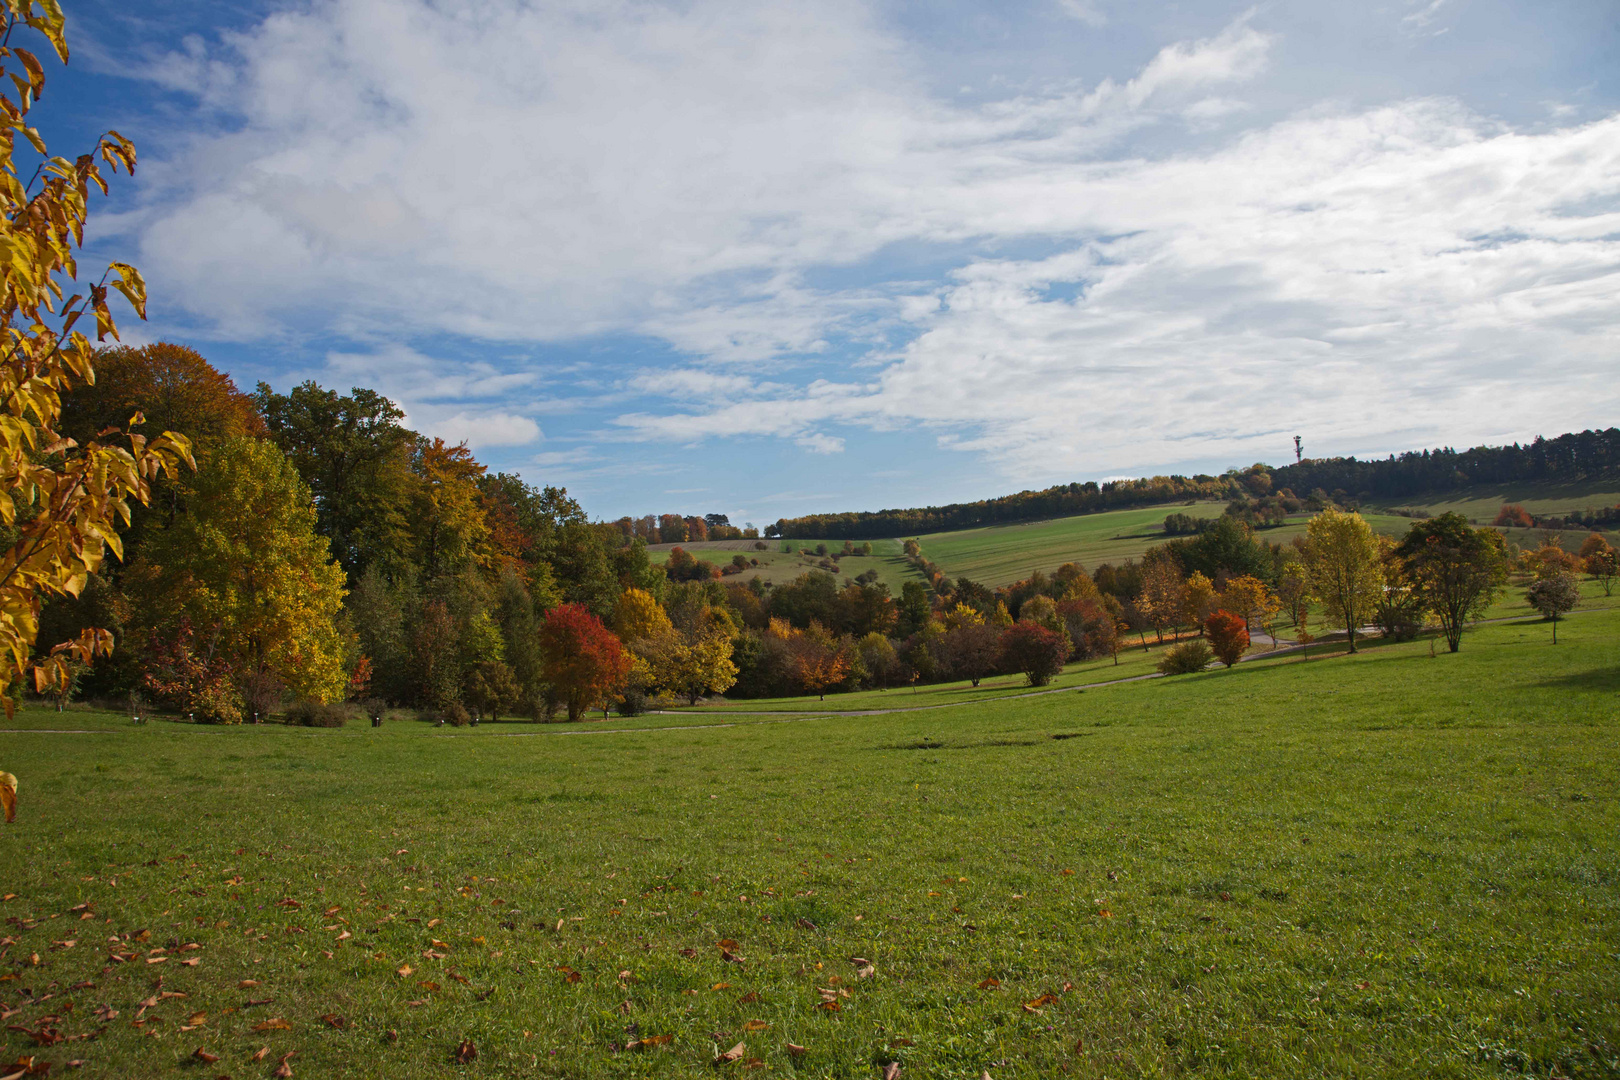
(1387, 865)
(1002, 554)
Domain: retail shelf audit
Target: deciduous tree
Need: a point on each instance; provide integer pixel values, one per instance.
(1554, 595)
(66, 499)
(245, 564)
(1036, 651)
(1341, 557)
(1453, 569)
(584, 662)
(1228, 636)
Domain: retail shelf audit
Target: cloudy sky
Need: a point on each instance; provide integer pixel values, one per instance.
(770, 258)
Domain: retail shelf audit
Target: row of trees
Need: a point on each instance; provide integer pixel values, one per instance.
(1575, 456)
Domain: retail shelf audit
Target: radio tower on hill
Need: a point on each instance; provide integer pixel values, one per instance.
(1298, 451)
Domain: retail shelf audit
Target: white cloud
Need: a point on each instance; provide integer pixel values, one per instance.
(716, 177)
(479, 430)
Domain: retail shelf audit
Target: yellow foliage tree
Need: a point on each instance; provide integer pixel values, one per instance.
(1251, 599)
(245, 566)
(64, 501)
(962, 615)
(1197, 599)
(637, 615)
(1346, 574)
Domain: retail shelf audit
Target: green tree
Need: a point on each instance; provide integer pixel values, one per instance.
(246, 564)
(1453, 569)
(1341, 559)
(356, 459)
(1554, 595)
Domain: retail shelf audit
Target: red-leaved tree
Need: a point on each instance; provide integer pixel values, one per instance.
(1228, 636)
(1034, 650)
(584, 661)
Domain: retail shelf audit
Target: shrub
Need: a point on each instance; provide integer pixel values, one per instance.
(632, 703)
(1188, 658)
(1228, 636)
(374, 708)
(315, 714)
(455, 714)
(1034, 650)
(760, 545)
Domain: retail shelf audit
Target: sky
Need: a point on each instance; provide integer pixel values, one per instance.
(778, 258)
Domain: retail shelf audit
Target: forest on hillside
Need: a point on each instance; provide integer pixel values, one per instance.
(1581, 455)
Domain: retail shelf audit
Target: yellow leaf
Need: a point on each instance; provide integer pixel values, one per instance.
(8, 795)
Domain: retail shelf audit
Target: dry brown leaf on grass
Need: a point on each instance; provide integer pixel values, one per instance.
(863, 967)
(990, 984)
(260, 1054)
(726, 945)
(8, 800)
(405, 971)
(273, 1024)
(333, 1020)
(247, 984)
(891, 1071)
(1040, 1002)
(649, 1041)
(1080, 1045)
(796, 1050)
(466, 1053)
(755, 1025)
(204, 1056)
(731, 1055)
(748, 998)
(831, 1006)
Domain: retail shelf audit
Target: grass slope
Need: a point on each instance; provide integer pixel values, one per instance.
(1387, 865)
(777, 566)
(1481, 503)
(1001, 554)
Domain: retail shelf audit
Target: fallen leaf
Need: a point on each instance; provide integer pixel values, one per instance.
(273, 1024)
(247, 984)
(333, 910)
(204, 1056)
(429, 985)
(726, 945)
(466, 1052)
(1079, 1045)
(289, 902)
(731, 1055)
(197, 1018)
(404, 971)
(261, 1053)
(795, 1049)
(893, 1043)
(333, 1020)
(721, 986)
(755, 1025)
(863, 967)
(1067, 873)
(831, 1006)
(891, 1071)
(748, 998)
(1363, 985)
(990, 984)
(651, 1040)
(283, 1071)
(1040, 1002)
(804, 924)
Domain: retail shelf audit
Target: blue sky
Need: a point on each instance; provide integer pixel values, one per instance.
(777, 258)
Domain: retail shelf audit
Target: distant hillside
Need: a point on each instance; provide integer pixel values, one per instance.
(1585, 455)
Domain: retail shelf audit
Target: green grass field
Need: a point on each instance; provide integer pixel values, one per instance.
(1380, 866)
(1001, 554)
(777, 566)
(1481, 503)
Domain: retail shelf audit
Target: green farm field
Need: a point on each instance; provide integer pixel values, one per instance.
(1387, 865)
(777, 566)
(1480, 504)
(1001, 554)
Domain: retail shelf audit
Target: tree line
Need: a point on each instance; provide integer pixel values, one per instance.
(1346, 481)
